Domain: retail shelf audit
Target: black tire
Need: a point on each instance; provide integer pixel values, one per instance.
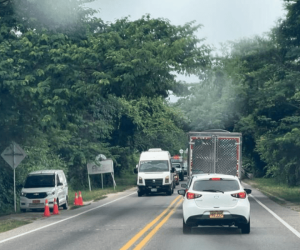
(66, 205)
(57, 201)
(171, 190)
(140, 194)
(23, 210)
(245, 228)
(185, 228)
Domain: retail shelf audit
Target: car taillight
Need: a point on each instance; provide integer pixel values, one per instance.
(241, 195)
(191, 196)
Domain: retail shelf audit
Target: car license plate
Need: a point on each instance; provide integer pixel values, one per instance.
(36, 201)
(216, 214)
(153, 189)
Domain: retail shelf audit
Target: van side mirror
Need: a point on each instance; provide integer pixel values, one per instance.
(135, 171)
(173, 170)
(59, 184)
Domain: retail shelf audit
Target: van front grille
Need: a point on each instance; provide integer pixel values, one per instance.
(153, 182)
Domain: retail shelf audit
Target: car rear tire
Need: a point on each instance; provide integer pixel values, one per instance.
(140, 194)
(185, 228)
(66, 205)
(245, 228)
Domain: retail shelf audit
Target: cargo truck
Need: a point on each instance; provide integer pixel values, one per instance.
(215, 151)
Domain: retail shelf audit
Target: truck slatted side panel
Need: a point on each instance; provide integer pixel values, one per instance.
(226, 159)
(202, 155)
(215, 152)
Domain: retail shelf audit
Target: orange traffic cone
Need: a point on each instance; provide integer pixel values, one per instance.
(80, 201)
(55, 208)
(76, 202)
(46, 211)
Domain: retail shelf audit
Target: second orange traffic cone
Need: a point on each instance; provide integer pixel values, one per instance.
(80, 201)
(46, 211)
(76, 201)
(55, 208)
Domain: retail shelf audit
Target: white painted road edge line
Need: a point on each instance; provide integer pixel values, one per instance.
(49, 225)
(288, 226)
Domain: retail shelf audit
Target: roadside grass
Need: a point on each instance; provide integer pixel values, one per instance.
(96, 194)
(275, 190)
(126, 182)
(7, 225)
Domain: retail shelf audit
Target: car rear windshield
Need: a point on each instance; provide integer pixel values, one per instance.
(40, 181)
(220, 185)
(154, 166)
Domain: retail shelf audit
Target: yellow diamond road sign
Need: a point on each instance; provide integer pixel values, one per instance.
(13, 155)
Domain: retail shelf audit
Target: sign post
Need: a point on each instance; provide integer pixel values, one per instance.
(13, 155)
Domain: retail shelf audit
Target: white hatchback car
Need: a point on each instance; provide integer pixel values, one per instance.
(215, 199)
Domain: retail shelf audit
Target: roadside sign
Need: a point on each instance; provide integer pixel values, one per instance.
(101, 167)
(13, 155)
(181, 151)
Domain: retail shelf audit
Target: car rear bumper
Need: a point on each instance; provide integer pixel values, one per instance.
(228, 219)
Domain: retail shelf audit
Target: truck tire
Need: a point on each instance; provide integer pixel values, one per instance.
(140, 194)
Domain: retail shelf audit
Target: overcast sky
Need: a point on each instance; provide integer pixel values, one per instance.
(222, 20)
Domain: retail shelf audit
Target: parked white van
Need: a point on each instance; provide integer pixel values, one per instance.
(44, 185)
(155, 172)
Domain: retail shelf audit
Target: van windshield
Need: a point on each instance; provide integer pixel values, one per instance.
(40, 181)
(154, 166)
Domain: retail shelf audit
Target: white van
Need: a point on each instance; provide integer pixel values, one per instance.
(155, 172)
(44, 185)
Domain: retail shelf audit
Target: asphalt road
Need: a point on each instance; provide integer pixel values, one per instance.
(126, 221)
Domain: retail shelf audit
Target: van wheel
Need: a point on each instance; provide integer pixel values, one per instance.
(170, 191)
(66, 205)
(23, 210)
(140, 194)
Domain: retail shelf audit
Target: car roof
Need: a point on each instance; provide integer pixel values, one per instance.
(45, 172)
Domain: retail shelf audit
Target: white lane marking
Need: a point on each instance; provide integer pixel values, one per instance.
(49, 225)
(288, 226)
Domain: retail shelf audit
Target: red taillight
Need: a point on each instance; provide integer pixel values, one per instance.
(191, 196)
(215, 179)
(241, 195)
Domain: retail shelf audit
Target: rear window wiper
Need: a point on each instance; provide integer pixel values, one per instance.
(213, 190)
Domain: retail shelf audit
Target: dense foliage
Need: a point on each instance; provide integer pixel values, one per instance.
(253, 88)
(72, 87)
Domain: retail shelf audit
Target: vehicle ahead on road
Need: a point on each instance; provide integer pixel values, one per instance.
(155, 172)
(44, 185)
(177, 163)
(215, 199)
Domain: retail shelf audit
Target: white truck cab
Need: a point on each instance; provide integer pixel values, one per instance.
(155, 172)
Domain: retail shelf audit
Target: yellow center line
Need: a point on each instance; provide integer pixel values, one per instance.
(154, 230)
(147, 227)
